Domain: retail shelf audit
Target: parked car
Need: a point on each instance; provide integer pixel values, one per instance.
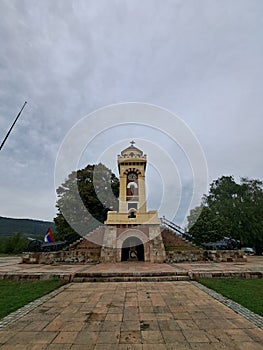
(248, 250)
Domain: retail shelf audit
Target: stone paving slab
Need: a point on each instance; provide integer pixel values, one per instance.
(132, 267)
(241, 310)
(14, 316)
(11, 267)
(134, 315)
(254, 263)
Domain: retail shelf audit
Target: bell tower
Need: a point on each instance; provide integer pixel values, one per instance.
(132, 198)
(132, 233)
(132, 165)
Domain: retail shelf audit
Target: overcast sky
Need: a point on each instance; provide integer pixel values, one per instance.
(199, 59)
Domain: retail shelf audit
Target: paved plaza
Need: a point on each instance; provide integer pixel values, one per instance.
(130, 315)
(12, 266)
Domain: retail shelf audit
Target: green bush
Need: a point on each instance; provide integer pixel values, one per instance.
(13, 245)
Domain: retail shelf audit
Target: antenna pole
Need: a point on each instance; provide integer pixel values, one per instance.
(9, 131)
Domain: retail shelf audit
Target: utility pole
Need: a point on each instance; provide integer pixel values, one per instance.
(9, 131)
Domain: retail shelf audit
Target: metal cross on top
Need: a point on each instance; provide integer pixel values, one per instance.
(132, 143)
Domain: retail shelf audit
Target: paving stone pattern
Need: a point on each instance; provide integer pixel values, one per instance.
(132, 315)
(12, 268)
(241, 310)
(14, 316)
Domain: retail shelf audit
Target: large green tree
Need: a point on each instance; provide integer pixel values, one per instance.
(84, 200)
(230, 209)
(204, 225)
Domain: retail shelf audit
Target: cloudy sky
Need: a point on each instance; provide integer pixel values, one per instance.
(199, 59)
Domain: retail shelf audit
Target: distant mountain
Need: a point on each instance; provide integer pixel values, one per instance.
(27, 227)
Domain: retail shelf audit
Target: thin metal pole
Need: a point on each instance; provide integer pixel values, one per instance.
(2, 144)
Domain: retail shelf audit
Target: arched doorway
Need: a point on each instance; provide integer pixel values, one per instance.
(132, 249)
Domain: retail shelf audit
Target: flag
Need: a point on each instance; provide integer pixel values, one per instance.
(49, 236)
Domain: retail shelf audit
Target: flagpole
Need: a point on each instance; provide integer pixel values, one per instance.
(9, 131)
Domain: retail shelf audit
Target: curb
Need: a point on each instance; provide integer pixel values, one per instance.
(239, 309)
(14, 316)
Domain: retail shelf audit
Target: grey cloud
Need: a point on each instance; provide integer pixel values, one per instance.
(200, 59)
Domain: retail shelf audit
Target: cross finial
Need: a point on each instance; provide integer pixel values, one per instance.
(132, 143)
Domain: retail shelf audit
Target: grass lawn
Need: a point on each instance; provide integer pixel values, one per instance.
(247, 292)
(14, 295)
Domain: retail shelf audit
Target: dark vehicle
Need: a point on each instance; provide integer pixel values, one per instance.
(225, 244)
(248, 250)
(36, 245)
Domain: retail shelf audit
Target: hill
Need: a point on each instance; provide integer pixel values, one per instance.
(27, 227)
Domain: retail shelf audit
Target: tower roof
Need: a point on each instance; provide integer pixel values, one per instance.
(132, 151)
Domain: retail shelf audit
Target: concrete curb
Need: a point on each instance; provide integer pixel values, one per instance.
(239, 309)
(14, 316)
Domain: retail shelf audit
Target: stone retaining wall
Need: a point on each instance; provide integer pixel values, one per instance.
(225, 255)
(178, 256)
(92, 255)
(70, 256)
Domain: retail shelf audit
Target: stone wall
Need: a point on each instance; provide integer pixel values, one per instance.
(225, 255)
(157, 249)
(83, 252)
(178, 256)
(74, 256)
(109, 249)
(180, 250)
(149, 235)
(90, 255)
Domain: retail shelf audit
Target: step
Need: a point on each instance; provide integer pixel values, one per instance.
(131, 274)
(131, 277)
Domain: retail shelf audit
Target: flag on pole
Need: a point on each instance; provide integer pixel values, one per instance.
(49, 236)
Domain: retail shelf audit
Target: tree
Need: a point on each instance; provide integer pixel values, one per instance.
(14, 244)
(84, 200)
(233, 210)
(252, 214)
(207, 227)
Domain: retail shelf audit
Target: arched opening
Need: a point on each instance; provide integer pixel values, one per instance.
(132, 249)
(132, 214)
(132, 189)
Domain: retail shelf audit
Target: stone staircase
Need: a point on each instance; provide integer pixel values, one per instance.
(176, 230)
(131, 276)
(178, 244)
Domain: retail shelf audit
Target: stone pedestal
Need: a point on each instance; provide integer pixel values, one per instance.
(149, 236)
